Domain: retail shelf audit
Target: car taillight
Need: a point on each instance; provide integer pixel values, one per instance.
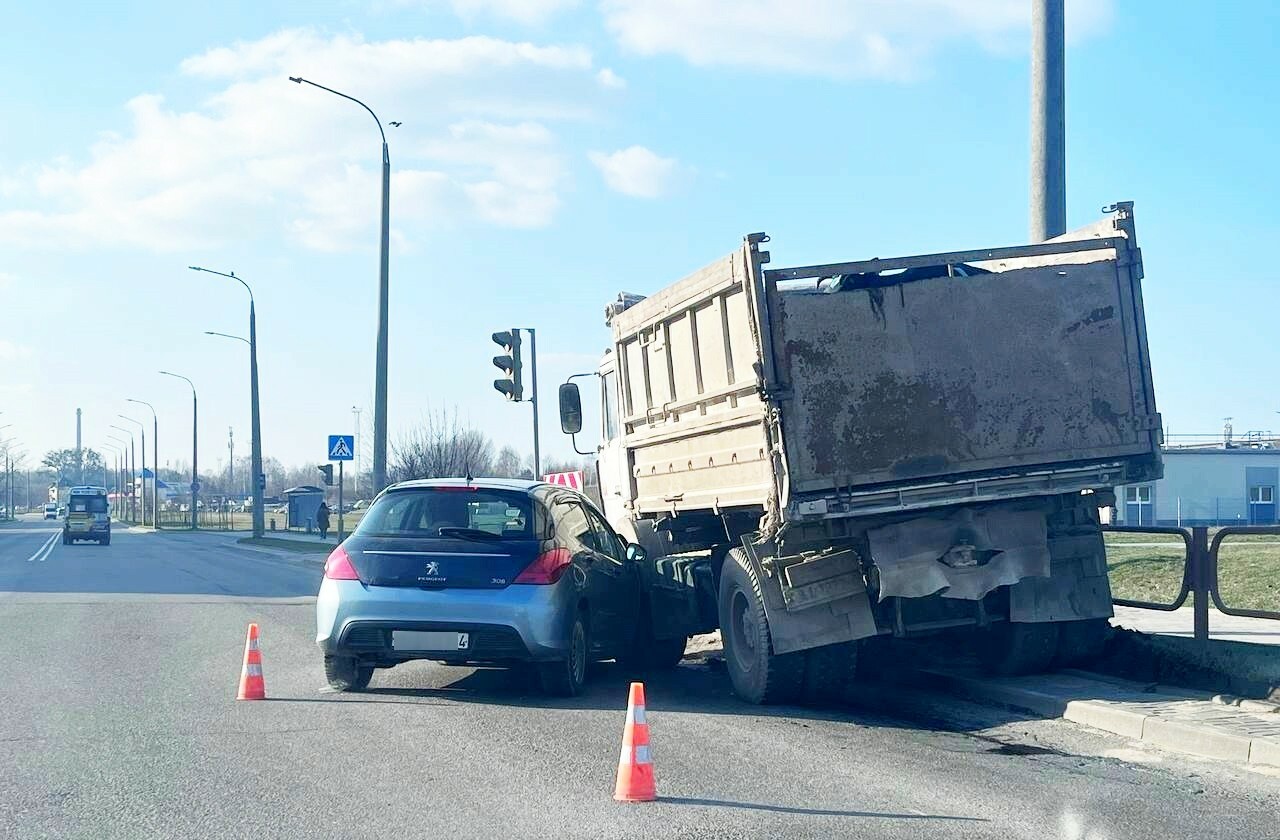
(547, 568)
(338, 566)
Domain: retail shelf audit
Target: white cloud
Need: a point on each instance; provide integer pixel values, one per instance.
(636, 171)
(261, 156)
(890, 39)
(609, 79)
(521, 11)
(10, 352)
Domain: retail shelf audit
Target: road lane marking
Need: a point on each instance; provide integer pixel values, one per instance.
(44, 550)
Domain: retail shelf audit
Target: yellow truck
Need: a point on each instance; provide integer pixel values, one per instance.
(88, 517)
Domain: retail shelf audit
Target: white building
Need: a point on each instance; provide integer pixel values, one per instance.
(1206, 486)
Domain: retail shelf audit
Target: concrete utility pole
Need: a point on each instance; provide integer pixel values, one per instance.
(1048, 121)
(359, 441)
(380, 368)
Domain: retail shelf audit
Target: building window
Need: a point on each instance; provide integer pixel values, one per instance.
(1137, 504)
(1262, 507)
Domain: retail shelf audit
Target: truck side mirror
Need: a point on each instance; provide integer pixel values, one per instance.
(636, 553)
(570, 409)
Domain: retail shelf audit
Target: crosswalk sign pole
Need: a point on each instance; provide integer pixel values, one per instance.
(340, 535)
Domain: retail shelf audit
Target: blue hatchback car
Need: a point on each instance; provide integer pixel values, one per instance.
(487, 571)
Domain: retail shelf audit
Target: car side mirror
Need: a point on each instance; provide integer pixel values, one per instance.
(570, 409)
(636, 553)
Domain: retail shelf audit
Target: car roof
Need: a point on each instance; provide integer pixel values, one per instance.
(527, 485)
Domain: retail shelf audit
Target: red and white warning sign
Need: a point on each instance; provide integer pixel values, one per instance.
(572, 480)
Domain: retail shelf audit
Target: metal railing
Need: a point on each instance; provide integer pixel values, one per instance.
(213, 520)
(1200, 573)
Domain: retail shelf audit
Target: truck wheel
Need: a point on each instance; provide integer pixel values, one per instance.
(344, 674)
(1082, 643)
(829, 672)
(758, 674)
(66, 540)
(1013, 647)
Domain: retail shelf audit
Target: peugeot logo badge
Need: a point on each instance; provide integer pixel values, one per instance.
(433, 568)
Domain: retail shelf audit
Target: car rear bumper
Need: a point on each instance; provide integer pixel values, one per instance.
(517, 623)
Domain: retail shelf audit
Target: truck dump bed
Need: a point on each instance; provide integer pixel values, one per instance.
(891, 384)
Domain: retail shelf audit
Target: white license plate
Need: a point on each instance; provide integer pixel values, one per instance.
(429, 640)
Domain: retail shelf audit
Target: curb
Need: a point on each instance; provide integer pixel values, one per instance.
(288, 556)
(1166, 733)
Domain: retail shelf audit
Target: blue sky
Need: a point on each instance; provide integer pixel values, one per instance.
(556, 152)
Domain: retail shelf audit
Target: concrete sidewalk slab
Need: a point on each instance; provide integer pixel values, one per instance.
(1185, 721)
(1180, 622)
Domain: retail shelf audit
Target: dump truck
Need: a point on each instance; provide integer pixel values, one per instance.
(818, 457)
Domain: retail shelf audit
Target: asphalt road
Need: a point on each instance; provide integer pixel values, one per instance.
(120, 666)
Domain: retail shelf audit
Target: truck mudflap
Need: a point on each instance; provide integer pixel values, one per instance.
(812, 599)
(965, 554)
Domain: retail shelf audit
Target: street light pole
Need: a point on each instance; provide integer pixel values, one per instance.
(143, 475)
(380, 372)
(195, 425)
(131, 464)
(255, 415)
(155, 475)
(122, 464)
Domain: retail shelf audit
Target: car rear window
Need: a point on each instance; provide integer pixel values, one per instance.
(422, 512)
(89, 504)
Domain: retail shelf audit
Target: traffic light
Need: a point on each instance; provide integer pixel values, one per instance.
(512, 386)
(327, 472)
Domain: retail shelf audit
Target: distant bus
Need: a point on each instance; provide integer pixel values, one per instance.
(88, 516)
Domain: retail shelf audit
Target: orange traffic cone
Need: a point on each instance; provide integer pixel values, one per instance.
(635, 766)
(251, 684)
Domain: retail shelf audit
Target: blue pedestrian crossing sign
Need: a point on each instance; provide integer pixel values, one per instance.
(342, 447)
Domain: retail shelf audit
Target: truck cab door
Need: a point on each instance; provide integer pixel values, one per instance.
(615, 473)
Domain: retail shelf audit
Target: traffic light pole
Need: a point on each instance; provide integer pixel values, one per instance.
(533, 380)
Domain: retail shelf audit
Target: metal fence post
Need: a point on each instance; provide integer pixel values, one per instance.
(1200, 583)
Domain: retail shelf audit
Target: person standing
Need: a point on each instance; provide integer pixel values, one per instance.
(322, 520)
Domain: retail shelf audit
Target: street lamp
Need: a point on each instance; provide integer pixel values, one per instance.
(195, 472)
(122, 464)
(109, 449)
(143, 431)
(131, 464)
(380, 373)
(255, 417)
(155, 476)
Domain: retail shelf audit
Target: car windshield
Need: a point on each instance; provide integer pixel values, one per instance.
(453, 512)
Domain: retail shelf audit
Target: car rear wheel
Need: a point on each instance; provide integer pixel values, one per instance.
(104, 540)
(66, 538)
(567, 677)
(345, 674)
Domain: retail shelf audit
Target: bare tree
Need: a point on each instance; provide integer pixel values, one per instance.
(439, 447)
(508, 463)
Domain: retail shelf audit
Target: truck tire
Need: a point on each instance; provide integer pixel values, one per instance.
(1081, 643)
(758, 674)
(344, 674)
(829, 672)
(1010, 648)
